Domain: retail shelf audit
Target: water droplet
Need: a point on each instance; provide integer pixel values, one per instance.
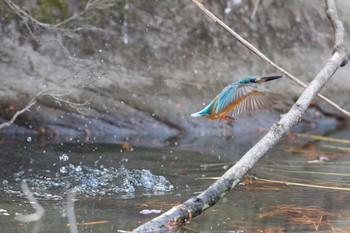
(64, 158)
(63, 170)
(124, 160)
(78, 168)
(125, 39)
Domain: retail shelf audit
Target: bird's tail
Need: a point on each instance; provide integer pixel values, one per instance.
(205, 111)
(197, 114)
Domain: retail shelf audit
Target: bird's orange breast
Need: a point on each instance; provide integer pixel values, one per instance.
(220, 115)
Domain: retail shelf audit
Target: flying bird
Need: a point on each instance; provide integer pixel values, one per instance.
(238, 98)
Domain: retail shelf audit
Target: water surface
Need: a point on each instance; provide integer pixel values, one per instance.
(117, 182)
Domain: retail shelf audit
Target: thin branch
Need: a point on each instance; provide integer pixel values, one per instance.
(14, 117)
(58, 27)
(39, 210)
(75, 105)
(58, 97)
(339, 28)
(70, 211)
(265, 58)
(24, 15)
(337, 24)
(255, 9)
(177, 216)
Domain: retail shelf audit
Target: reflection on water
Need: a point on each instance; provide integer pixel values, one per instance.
(117, 185)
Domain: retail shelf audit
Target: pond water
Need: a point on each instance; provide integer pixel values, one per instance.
(301, 185)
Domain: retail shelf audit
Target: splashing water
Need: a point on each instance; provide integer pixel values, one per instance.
(92, 181)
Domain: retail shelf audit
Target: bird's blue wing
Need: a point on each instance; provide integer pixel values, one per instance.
(255, 100)
(232, 93)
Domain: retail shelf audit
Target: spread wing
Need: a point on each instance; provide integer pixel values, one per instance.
(255, 100)
(232, 93)
(247, 97)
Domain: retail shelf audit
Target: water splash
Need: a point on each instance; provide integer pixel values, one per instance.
(64, 158)
(92, 182)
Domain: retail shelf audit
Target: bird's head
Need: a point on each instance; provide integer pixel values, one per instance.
(258, 79)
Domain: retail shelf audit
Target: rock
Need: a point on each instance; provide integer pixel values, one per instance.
(138, 71)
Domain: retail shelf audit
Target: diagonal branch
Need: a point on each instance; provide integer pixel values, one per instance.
(177, 216)
(339, 37)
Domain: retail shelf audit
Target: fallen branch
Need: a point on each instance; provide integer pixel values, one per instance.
(338, 45)
(179, 215)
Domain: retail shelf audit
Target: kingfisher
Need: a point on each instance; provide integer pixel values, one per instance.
(237, 98)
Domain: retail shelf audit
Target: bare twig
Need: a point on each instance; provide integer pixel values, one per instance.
(14, 117)
(24, 15)
(70, 211)
(339, 28)
(337, 24)
(90, 5)
(58, 97)
(265, 58)
(255, 9)
(77, 106)
(193, 207)
(39, 210)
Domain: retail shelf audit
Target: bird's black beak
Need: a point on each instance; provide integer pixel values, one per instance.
(267, 78)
